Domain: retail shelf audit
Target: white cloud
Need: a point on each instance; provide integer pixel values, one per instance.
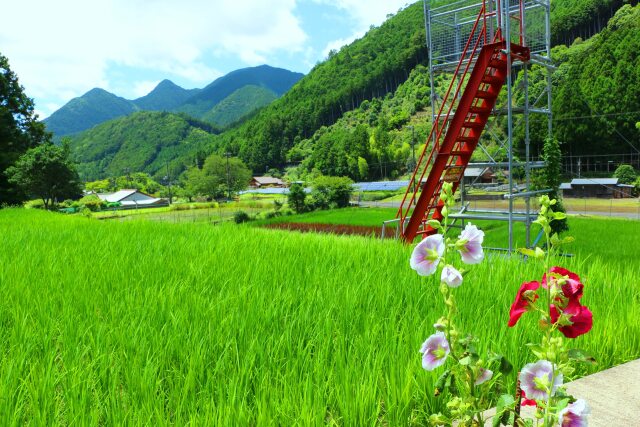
(337, 44)
(142, 88)
(365, 14)
(63, 48)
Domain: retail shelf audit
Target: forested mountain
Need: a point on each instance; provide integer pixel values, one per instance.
(141, 142)
(355, 113)
(277, 80)
(98, 105)
(367, 68)
(375, 65)
(239, 104)
(166, 96)
(597, 89)
(571, 19)
(88, 110)
(374, 140)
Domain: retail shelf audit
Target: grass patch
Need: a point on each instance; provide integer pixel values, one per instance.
(345, 216)
(145, 322)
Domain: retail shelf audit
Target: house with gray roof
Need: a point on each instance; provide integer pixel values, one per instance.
(133, 199)
(604, 188)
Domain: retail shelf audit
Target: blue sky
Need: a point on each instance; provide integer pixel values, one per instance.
(61, 49)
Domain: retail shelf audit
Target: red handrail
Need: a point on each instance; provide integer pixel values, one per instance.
(402, 213)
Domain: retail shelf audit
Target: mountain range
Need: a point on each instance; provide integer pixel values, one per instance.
(359, 112)
(224, 101)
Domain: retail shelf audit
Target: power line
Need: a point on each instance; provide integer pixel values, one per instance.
(593, 116)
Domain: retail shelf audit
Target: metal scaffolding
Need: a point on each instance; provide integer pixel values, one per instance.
(449, 28)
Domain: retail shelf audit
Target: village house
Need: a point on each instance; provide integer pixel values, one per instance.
(478, 176)
(133, 199)
(604, 188)
(266, 181)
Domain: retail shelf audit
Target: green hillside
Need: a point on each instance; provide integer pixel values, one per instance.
(368, 68)
(596, 90)
(94, 107)
(98, 106)
(239, 104)
(166, 96)
(276, 80)
(581, 18)
(141, 142)
(349, 115)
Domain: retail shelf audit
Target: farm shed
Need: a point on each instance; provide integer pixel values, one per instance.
(266, 181)
(133, 199)
(479, 176)
(604, 188)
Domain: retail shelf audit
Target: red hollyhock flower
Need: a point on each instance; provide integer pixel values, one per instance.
(525, 401)
(581, 318)
(571, 288)
(521, 303)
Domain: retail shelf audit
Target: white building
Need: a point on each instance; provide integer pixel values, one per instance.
(133, 199)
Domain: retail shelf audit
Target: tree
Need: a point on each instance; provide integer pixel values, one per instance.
(552, 156)
(138, 181)
(331, 192)
(626, 174)
(47, 172)
(217, 177)
(297, 198)
(19, 130)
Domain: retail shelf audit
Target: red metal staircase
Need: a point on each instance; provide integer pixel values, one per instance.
(456, 134)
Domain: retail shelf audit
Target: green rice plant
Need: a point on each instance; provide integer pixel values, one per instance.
(153, 323)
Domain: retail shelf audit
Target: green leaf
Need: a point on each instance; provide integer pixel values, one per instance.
(505, 366)
(465, 361)
(562, 403)
(434, 224)
(582, 356)
(559, 216)
(537, 350)
(527, 252)
(450, 384)
(505, 404)
(440, 383)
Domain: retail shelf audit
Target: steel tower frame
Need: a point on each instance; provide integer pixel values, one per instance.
(447, 29)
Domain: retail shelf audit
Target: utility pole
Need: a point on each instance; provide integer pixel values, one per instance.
(413, 150)
(227, 155)
(169, 183)
(127, 172)
(413, 145)
(579, 164)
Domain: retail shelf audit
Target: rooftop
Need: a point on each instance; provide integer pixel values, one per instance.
(117, 196)
(264, 180)
(594, 181)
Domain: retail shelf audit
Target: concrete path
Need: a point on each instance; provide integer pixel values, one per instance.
(613, 396)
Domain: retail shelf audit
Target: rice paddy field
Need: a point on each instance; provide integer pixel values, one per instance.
(154, 323)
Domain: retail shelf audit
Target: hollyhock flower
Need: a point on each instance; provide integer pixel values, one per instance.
(580, 316)
(434, 351)
(484, 376)
(426, 255)
(575, 414)
(535, 380)
(570, 283)
(451, 277)
(470, 244)
(524, 298)
(526, 401)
